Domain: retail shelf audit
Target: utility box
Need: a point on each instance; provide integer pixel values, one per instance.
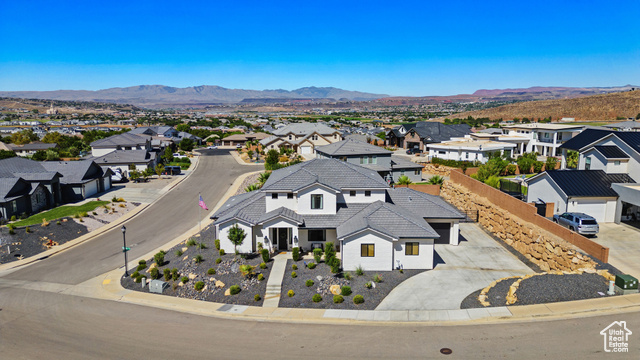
(626, 282)
(157, 286)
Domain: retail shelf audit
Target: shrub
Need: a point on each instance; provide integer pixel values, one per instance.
(202, 246)
(337, 299)
(257, 297)
(167, 274)
(316, 298)
(218, 260)
(309, 283)
(260, 277)
(263, 265)
(174, 274)
(294, 274)
(159, 258)
(493, 181)
(377, 278)
(27, 229)
(198, 259)
(247, 270)
(317, 255)
(359, 270)
(368, 285)
(155, 273)
(76, 216)
(295, 253)
(142, 262)
(294, 267)
(311, 266)
(335, 265)
(211, 271)
(184, 279)
(138, 279)
(345, 290)
(199, 285)
(12, 232)
(135, 274)
(290, 293)
(217, 241)
(537, 166)
(401, 271)
(191, 242)
(348, 276)
(221, 252)
(13, 218)
(94, 213)
(329, 252)
(58, 222)
(358, 299)
(179, 253)
(265, 255)
(510, 170)
(234, 289)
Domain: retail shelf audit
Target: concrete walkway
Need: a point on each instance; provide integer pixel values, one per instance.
(274, 283)
(468, 267)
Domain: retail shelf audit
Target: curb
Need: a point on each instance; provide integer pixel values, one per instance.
(236, 157)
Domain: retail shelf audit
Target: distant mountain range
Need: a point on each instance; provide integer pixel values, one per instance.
(167, 96)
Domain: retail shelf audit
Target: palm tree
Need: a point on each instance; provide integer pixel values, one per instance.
(404, 180)
(263, 177)
(252, 187)
(436, 180)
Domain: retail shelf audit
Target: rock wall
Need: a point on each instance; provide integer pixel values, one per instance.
(542, 248)
(437, 169)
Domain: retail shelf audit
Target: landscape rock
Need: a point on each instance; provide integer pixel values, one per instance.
(227, 292)
(219, 284)
(335, 289)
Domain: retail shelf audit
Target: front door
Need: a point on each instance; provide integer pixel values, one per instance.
(283, 238)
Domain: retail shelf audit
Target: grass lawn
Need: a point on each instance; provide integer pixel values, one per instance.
(60, 212)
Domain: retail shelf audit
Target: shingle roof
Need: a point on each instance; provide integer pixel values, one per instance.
(400, 163)
(281, 212)
(34, 146)
(125, 157)
(423, 205)
(268, 140)
(587, 183)
(126, 139)
(632, 124)
(305, 128)
(351, 147)
(7, 184)
(611, 152)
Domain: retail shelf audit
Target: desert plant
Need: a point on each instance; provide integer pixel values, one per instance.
(401, 271)
(265, 255)
(337, 299)
(211, 271)
(263, 265)
(174, 274)
(179, 253)
(436, 180)
(348, 276)
(359, 270)
(167, 274)
(184, 279)
(252, 187)
(294, 267)
(260, 277)
(294, 274)
(345, 290)
(368, 285)
(58, 222)
(290, 293)
(202, 246)
(191, 242)
(257, 297)
(198, 259)
(317, 255)
(295, 253)
(27, 229)
(217, 242)
(311, 266)
(234, 289)
(159, 258)
(309, 283)
(404, 180)
(221, 252)
(218, 260)
(45, 223)
(377, 278)
(199, 285)
(358, 299)
(247, 270)
(316, 298)
(335, 265)
(155, 273)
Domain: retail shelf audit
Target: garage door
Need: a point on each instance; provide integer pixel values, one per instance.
(107, 183)
(595, 208)
(90, 188)
(306, 149)
(443, 229)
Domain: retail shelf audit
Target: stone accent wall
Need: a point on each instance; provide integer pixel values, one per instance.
(437, 170)
(544, 249)
(38, 200)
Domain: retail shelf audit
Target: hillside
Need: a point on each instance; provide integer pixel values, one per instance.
(596, 107)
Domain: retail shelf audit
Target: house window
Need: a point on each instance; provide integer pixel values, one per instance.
(316, 201)
(364, 160)
(616, 163)
(375, 160)
(343, 158)
(315, 137)
(466, 155)
(317, 235)
(289, 137)
(335, 136)
(587, 163)
(290, 196)
(274, 195)
(14, 206)
(441, 152)
(352, 193)
(367, 250)
(401, 172)
(411, 248)
(417, 172)
(367, 193)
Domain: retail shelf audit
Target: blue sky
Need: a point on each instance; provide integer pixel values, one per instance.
(413, 48)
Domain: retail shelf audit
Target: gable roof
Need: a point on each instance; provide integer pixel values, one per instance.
(585, 183)
(75, 172)
(10, 188)
(27, 169)
(631, 124)
(125, 157)
(305, 128)
(282, 212)
(611, 152)
(125, 139)
(248, 207)
(351, 147)
(591, 136)
(438, 132)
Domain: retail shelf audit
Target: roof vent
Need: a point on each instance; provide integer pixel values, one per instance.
(410, 198)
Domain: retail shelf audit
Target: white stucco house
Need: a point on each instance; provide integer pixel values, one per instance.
(469, 149)
(328, 200)
(543, 138)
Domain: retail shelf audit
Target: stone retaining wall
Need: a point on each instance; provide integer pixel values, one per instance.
(437, 170)
(546, 250)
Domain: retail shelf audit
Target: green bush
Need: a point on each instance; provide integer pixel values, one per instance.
(27, 229)
(295, 253)
(358, 299)
(159, 258)
(294, 267)
(359, 270)
(257, 297)
(198, 259)
(260, 277)
(13, 218)
(493, 181)
(294, 274)
(138, 279)
(329, 252)
(211, 271)
(218, 260)
(199, 285)
(221, 252)
(167, 274)
(58, 222)
(377, 278)
(311, 266)
(265, 255)
(510, 170)
(335, 265)
(263, 265)
(135, 274)
(202, 246)
(143, 262)
(309, 283)
(290, 293)
(316, 298)
(155, 273)
(537, 166)
(179, 253)
(368, 285)
(317, 255)
(345, 290)
(191, 242)
(184, 279)
(452, 163)
(348, 276)
(234, 289)
(217, 241)
(174, 274)
(337, 299)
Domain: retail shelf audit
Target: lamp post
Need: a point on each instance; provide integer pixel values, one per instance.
(124, 250)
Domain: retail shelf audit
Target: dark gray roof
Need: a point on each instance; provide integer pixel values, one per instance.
(351, 147)
(124, 157)
(75, 172)
(344, 212)
(9, 187)
(27, 169)
(611, 152)
(435, 132)
(281, 212)
(305, 128)
(590, 136)
(332, 173)
(248, 207)
(126, 139)
(399, 163)
(34, 146)
(586, 183)
(631, 124)
(423, 205)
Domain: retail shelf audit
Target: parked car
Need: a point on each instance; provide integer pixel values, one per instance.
(172, 170)
(178, 156)
(581, 223)
(118, 176)
(239, 146)
(413, 151)
(212, 147)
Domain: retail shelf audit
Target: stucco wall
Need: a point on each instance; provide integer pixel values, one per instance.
(376, 195)
(328, 201)
(382, 261)
(424, 259)
(227, 245)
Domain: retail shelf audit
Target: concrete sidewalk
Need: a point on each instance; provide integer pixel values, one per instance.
(274, 283)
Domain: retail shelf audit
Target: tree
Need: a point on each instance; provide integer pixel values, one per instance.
(23, 137)
(436, 180)
(236, 236)
(183, 127)
(186, 144)
(404, 180)
(168, 155)
(381, 135)
(250, 154)
(52, 155)
(551, 163)
(263, 177)
(159, 170)
(572, 159)
(5, 154)
(39, 155)
(271, 162)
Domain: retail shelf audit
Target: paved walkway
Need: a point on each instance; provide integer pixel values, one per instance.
(274, 283)
(468, 267)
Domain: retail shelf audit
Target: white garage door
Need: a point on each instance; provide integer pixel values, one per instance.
(306, 149)
(90, 188)
(107, 183)
(595, 208)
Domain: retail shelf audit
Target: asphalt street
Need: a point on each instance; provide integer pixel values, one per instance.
(46, 324)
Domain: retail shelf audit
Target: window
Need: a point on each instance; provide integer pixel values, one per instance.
(411, 248)
(416, 172)
(466, 155)
(289, 137)
(617, 162)
(367, 193)
(14, 206)
(401, 172)
(315, 137)
(364, 160)
(587, 163)
(316, 201)
(352, 193)
(367, 250)
(274, 195)
(442, 152)
(343, 158)
(317, 235)
(290, 196)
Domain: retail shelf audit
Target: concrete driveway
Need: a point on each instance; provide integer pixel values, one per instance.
(623, 241)
(462, 269)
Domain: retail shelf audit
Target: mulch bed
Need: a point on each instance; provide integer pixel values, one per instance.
(303, 294)
(226, 272)
(25, 244)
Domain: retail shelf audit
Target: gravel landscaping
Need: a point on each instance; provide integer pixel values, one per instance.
(303, 294)
(227, 273)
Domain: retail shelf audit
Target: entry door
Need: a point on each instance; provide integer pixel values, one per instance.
(283, 238)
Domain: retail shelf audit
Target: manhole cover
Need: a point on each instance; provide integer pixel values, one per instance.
(446, 351)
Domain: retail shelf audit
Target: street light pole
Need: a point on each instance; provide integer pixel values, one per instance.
(125, 249)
